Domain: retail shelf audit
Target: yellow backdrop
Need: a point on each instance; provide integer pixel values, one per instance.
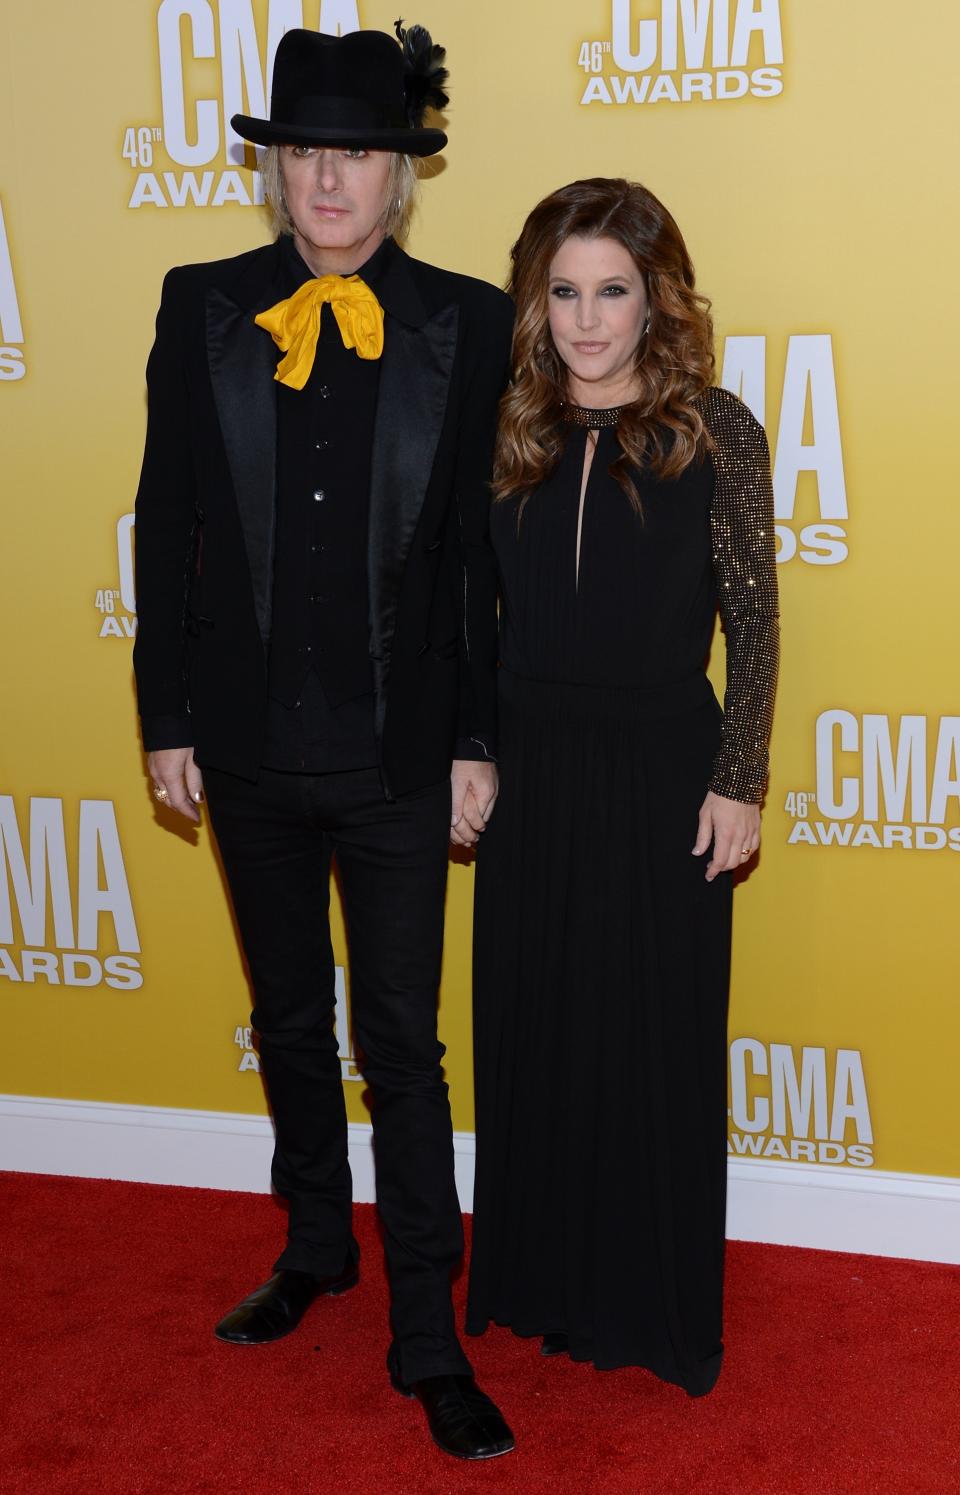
(803, 146)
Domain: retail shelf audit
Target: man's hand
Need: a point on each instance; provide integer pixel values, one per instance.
(733, 828)
(174, 770)
(474, 788)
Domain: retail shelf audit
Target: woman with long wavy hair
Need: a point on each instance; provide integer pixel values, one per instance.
(632, 497)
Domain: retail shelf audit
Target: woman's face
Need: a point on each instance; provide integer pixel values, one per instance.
(598, 308)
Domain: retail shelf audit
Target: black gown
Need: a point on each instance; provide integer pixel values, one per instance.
(601, 953)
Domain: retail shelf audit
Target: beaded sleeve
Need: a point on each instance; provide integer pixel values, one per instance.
(745, 571)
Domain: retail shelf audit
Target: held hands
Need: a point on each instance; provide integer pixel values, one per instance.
(474, 788)
(733, 828)
(177, 781)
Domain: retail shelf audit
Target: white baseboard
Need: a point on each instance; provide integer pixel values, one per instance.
(915, 1215)
(788, 1204)
(163, 1145)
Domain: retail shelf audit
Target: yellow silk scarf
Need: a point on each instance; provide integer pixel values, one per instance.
(294, 324)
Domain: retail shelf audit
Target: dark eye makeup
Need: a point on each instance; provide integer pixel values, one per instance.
(564, 292)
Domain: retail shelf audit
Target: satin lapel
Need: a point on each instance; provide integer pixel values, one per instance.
(242, 361)
(414, 384)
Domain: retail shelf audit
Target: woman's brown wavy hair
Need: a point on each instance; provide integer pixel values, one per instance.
(662, 430)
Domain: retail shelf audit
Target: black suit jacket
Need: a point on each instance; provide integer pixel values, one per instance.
(206, 517)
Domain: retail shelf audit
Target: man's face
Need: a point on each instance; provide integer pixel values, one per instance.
(336, 199)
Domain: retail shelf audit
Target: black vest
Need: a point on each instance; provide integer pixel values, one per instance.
(321, 600)
(320, 678)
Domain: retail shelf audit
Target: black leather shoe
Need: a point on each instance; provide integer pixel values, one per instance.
(276, 1308)
(554, 1344)
(462, 1420)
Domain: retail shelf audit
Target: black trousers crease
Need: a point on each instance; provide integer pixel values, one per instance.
(277, 839)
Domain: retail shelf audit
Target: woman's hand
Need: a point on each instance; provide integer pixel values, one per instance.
(473, 792)
(733, 828)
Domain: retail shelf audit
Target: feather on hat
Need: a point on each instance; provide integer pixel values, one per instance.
(424, 72)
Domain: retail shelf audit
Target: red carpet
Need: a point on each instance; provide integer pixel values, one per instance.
(842, 1372)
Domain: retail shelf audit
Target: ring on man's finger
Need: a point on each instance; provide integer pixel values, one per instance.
(159, 793)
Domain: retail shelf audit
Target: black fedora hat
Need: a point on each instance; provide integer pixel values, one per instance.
(363, 90)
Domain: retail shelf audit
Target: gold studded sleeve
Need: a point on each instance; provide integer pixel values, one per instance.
(745, 570)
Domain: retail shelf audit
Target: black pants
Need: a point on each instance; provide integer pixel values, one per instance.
(277, 838)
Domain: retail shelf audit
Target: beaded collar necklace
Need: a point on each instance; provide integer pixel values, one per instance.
(580, 415)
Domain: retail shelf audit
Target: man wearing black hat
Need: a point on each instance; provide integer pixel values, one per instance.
(317, 634)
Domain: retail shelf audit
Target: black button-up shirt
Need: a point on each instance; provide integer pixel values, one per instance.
(320, 713)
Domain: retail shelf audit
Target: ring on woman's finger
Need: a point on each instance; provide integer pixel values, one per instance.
(159, 793)
(747, 851)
